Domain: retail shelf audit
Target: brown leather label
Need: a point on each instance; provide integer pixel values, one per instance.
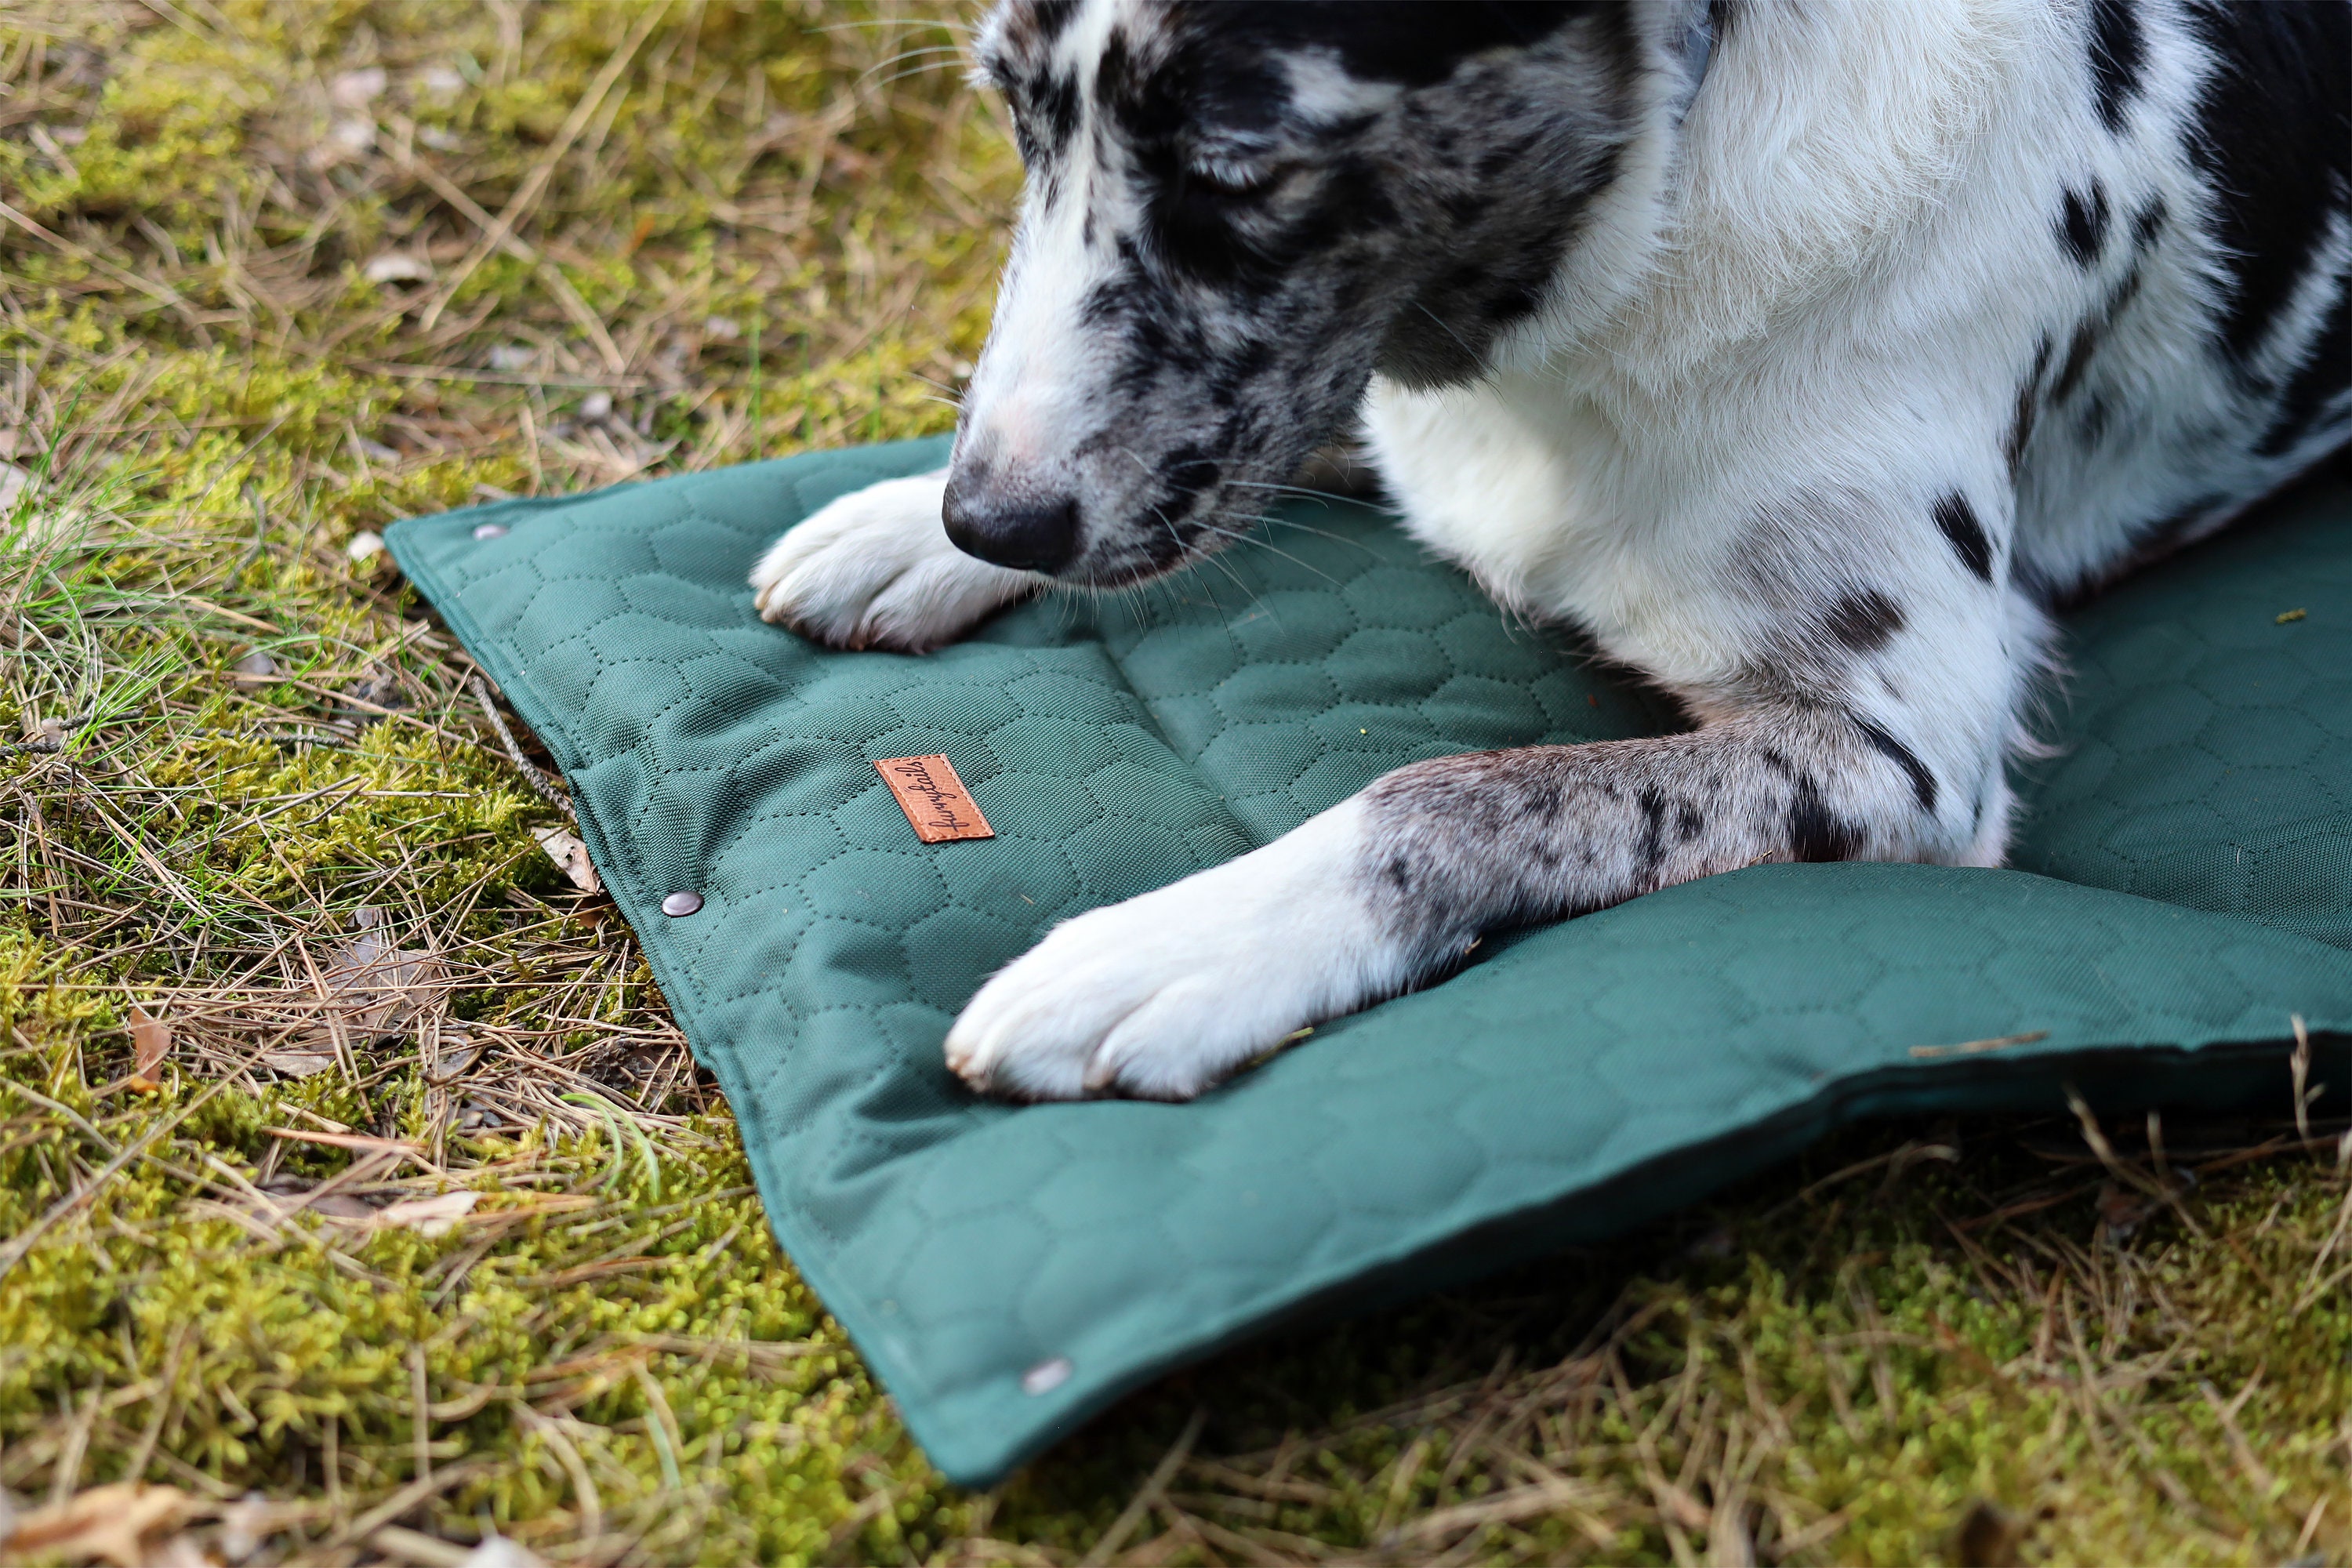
(934, 799)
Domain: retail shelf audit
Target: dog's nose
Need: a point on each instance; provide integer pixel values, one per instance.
(1027, 532)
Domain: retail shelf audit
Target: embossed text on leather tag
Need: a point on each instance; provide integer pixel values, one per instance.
(934, 799)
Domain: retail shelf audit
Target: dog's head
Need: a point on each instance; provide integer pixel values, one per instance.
(1237, 212)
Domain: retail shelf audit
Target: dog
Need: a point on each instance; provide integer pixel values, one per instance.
(1803, 354)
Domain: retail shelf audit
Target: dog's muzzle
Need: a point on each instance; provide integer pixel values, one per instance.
(1023, 530)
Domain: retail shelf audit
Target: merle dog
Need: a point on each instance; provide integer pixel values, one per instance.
(1803, 356)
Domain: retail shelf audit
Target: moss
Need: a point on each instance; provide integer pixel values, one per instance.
(613, 1359)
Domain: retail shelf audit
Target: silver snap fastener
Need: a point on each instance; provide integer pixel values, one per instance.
(489, 530)
(678, 904)
(1046, 1376)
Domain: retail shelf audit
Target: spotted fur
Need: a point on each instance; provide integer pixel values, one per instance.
(1803, 356)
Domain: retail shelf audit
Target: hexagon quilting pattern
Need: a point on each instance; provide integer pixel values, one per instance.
(2206, 730)
(2191, 841)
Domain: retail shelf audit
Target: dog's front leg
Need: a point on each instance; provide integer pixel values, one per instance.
(1162, 995)
(1165, 993)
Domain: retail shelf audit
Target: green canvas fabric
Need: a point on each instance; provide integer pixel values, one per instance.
(2182, 885)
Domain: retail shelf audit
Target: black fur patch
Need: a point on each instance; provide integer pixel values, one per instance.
(1053, 117)
(2079, 349)
(2274, 134)
(2082, 225)
(1653, 849)
(1923, 783)
(2321, 378)
(2029, 403)
(1815, 832)
(2118, 57)
(1050, 17)
(1956, 520)
(1864, 621)
(1414, 43)
(2093, 330)
(2091, 425)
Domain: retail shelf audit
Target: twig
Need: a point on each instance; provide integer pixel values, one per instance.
(531, 775)
(2299, 1064)
(1151, 1491)
(51, 741)
(2130, 1175)
(1971, 1048)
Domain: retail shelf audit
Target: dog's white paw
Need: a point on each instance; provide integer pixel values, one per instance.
(1162, 995)
(875, 569)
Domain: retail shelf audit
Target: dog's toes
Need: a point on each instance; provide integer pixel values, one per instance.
(876, 569)
(1146, 1028)
(1030, 1031)
(1163, 996)
(1166, 1050)
(1036, 1030)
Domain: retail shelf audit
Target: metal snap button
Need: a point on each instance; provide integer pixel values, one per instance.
(1046, 1376)
(489, 530)
(678, 904)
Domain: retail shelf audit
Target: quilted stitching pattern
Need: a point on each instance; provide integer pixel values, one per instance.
(2194, 843)
(2209, 757)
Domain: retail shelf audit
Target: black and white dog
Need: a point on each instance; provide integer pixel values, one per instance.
(1802, 352)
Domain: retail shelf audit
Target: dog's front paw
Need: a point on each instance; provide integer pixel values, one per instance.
(875, 569)
(1164, 995)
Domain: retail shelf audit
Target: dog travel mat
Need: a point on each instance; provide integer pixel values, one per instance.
(2183, 884)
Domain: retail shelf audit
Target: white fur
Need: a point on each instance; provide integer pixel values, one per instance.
(1163, 994)
(875, 569)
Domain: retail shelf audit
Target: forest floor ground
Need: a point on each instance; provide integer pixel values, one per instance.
(358, 1196)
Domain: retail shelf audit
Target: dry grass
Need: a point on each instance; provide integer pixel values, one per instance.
(356, 1185)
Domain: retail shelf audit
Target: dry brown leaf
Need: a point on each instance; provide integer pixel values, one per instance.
(150, 1042)
(297, 1064)
(430, 1217)
(248, 1522)
(566, 849)
(109, 1522)
(380, 686)
(458, 1053)
(376, 988)
(397, 267)
(2123, 1211)
(254, 671)
(179, 1551)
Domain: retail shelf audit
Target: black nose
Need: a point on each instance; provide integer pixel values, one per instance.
(1024, 532)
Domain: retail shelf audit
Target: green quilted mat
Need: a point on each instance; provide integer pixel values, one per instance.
(2183, 885)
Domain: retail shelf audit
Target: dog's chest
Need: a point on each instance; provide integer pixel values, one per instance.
(2047, 336)
(1529, 483)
